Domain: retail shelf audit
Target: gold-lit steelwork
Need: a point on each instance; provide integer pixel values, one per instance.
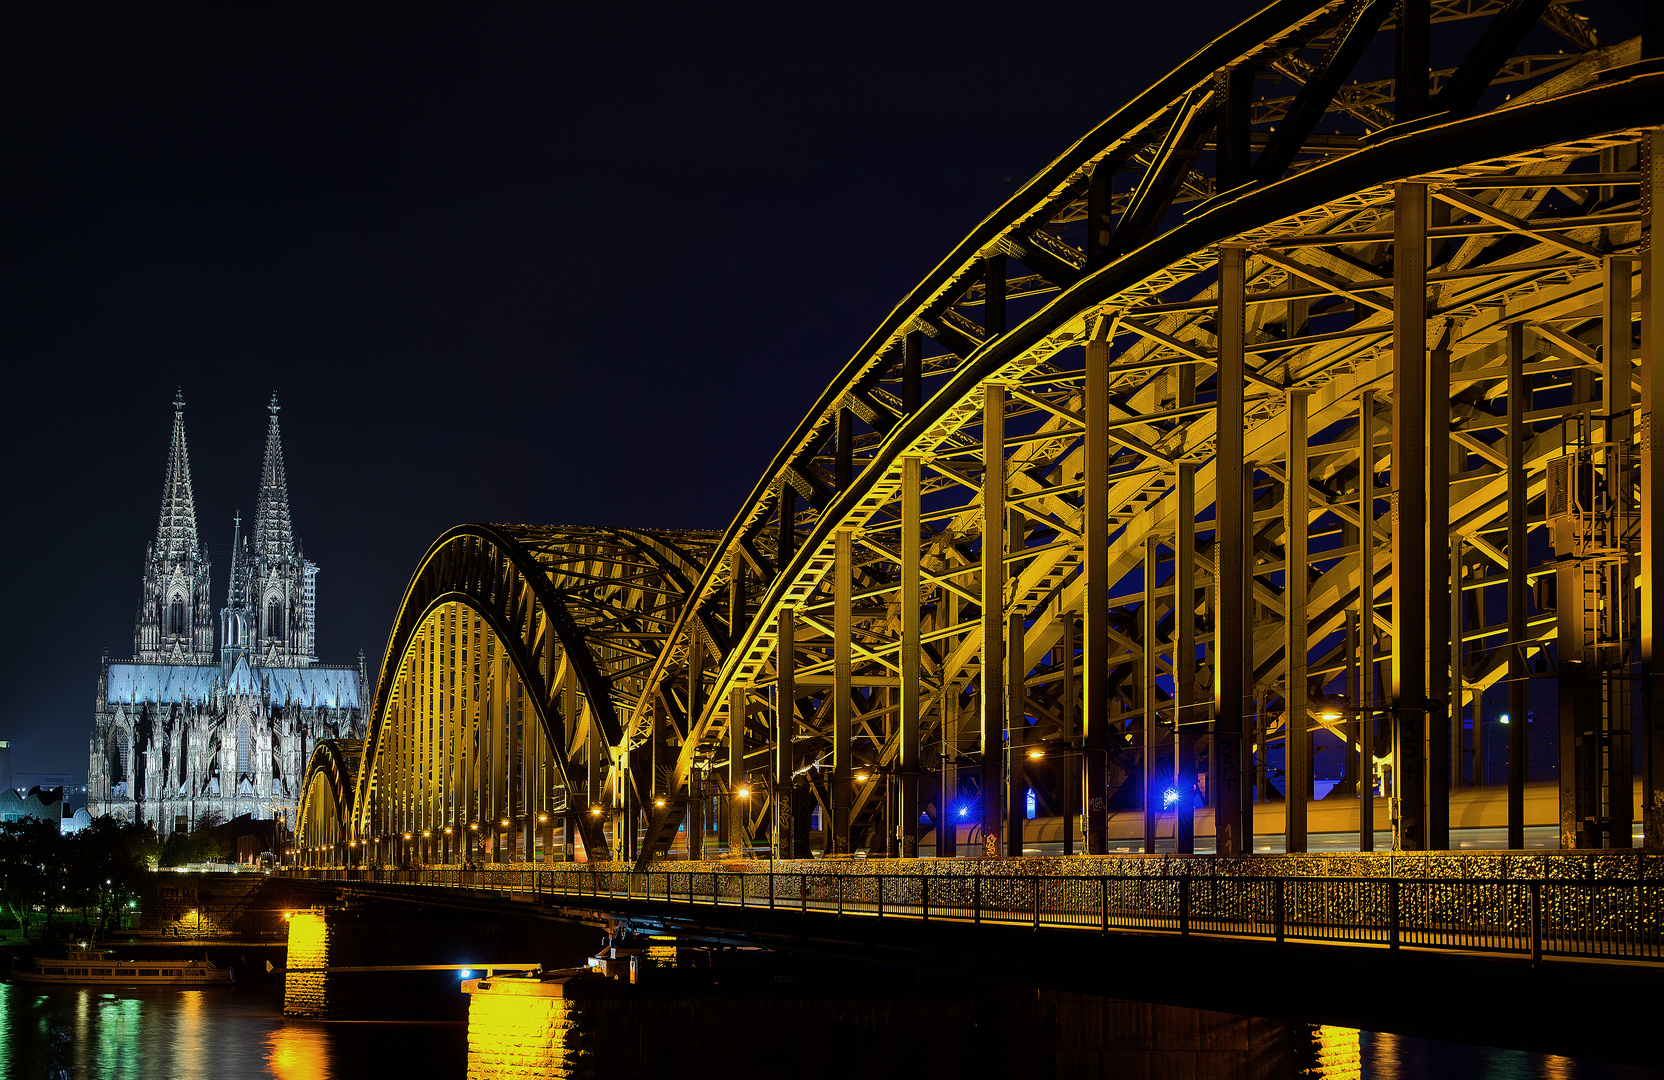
(1036, 534)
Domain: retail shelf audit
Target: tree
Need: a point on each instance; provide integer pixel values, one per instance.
(31, 868)
(108, 861)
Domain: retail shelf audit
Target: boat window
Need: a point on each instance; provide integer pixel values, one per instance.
(145, 972)
(106, 971)
(200, 974)
(171, 974)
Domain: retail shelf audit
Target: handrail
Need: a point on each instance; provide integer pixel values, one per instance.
(1590, 918)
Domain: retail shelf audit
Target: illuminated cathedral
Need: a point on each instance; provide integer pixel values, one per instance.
(180, 733)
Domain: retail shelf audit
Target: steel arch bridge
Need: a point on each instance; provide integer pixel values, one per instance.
(1281, 309)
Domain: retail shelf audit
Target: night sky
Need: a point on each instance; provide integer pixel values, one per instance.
(499, 263)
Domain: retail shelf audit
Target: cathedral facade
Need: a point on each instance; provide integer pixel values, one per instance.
(180, 732)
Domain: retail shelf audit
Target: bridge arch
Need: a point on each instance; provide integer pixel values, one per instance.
(322, 829)
(515, 649)
(1036, 534)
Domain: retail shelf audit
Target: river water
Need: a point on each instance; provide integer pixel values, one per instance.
(240, 1033)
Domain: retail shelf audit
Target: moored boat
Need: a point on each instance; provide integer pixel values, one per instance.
(97, 967)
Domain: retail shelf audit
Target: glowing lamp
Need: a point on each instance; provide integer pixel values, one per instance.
(542, 817)
(595, 811)
(447, 830)
(503, 823)
(1329, 714)
(474, 825)
(1036, 754)
(743, 793)
(407, 836)
(429, 832)
(964, 812)
(861, 776)
(1170, 797)
(1503, 719)
(658, 802)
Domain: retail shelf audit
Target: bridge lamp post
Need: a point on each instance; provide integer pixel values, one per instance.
(473, 830)
(545, 836)
(447, 843)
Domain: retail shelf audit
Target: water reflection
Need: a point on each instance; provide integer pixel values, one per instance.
(222, 1034)
(295, 1052)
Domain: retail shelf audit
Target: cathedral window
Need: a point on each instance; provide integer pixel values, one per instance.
(242, 747)
(184, 752)
(176, 617)
(274, 619)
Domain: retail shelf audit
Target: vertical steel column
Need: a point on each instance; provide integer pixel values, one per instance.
(1413, 59)
(694, 816)
(1233, 502)
(1147, 690)
(993, 295)
(912, 371)
(1518, 563)
(1409, 533)
(1366, 621)
(1095, 570)
(1438, 588)
(785, 726)
(911, 706)
(595, 763)
(1068, 772)
(1297, 768)
(1016, 700)
(843, 453)
(739, 790)
(993, 613)
(843, 704)
(1652, 484)
(1185, 698)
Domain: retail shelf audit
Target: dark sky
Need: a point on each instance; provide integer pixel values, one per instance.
(500, 263)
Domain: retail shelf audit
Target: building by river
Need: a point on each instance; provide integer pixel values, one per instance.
(183, 729)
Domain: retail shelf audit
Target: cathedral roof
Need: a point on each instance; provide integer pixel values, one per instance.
(176, 534)
(157, 684)
(274, 537)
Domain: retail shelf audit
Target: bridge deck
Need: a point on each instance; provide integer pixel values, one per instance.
(1608, 919)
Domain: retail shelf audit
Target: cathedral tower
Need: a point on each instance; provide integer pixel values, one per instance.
(272, 604)
(175, 622)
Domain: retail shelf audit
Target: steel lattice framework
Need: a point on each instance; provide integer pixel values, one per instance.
(1037, 533)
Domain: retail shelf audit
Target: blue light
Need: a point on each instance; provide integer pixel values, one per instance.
(1170, 797)
(1503, 719)
(964, 812)
(466, 974)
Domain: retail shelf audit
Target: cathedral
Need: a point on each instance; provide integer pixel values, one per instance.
(179, 733)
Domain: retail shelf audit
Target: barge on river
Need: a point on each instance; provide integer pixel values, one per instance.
(96, 967)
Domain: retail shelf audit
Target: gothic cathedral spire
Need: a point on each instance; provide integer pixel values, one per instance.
(176, 533)
(174, 624)
(274, 537)
(272, 603)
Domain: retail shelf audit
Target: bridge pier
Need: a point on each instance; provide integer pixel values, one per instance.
(377, 938)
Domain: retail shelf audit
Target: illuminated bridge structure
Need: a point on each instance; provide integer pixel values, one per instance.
(1360, 289)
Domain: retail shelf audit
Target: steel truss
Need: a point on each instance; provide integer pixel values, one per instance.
(1037, 533)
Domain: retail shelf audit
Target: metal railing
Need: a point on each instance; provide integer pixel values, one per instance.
(1608, 919)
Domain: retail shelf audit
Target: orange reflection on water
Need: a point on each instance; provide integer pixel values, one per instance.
(298, 1052)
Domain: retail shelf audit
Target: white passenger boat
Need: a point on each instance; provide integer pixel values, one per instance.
(96, 967)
